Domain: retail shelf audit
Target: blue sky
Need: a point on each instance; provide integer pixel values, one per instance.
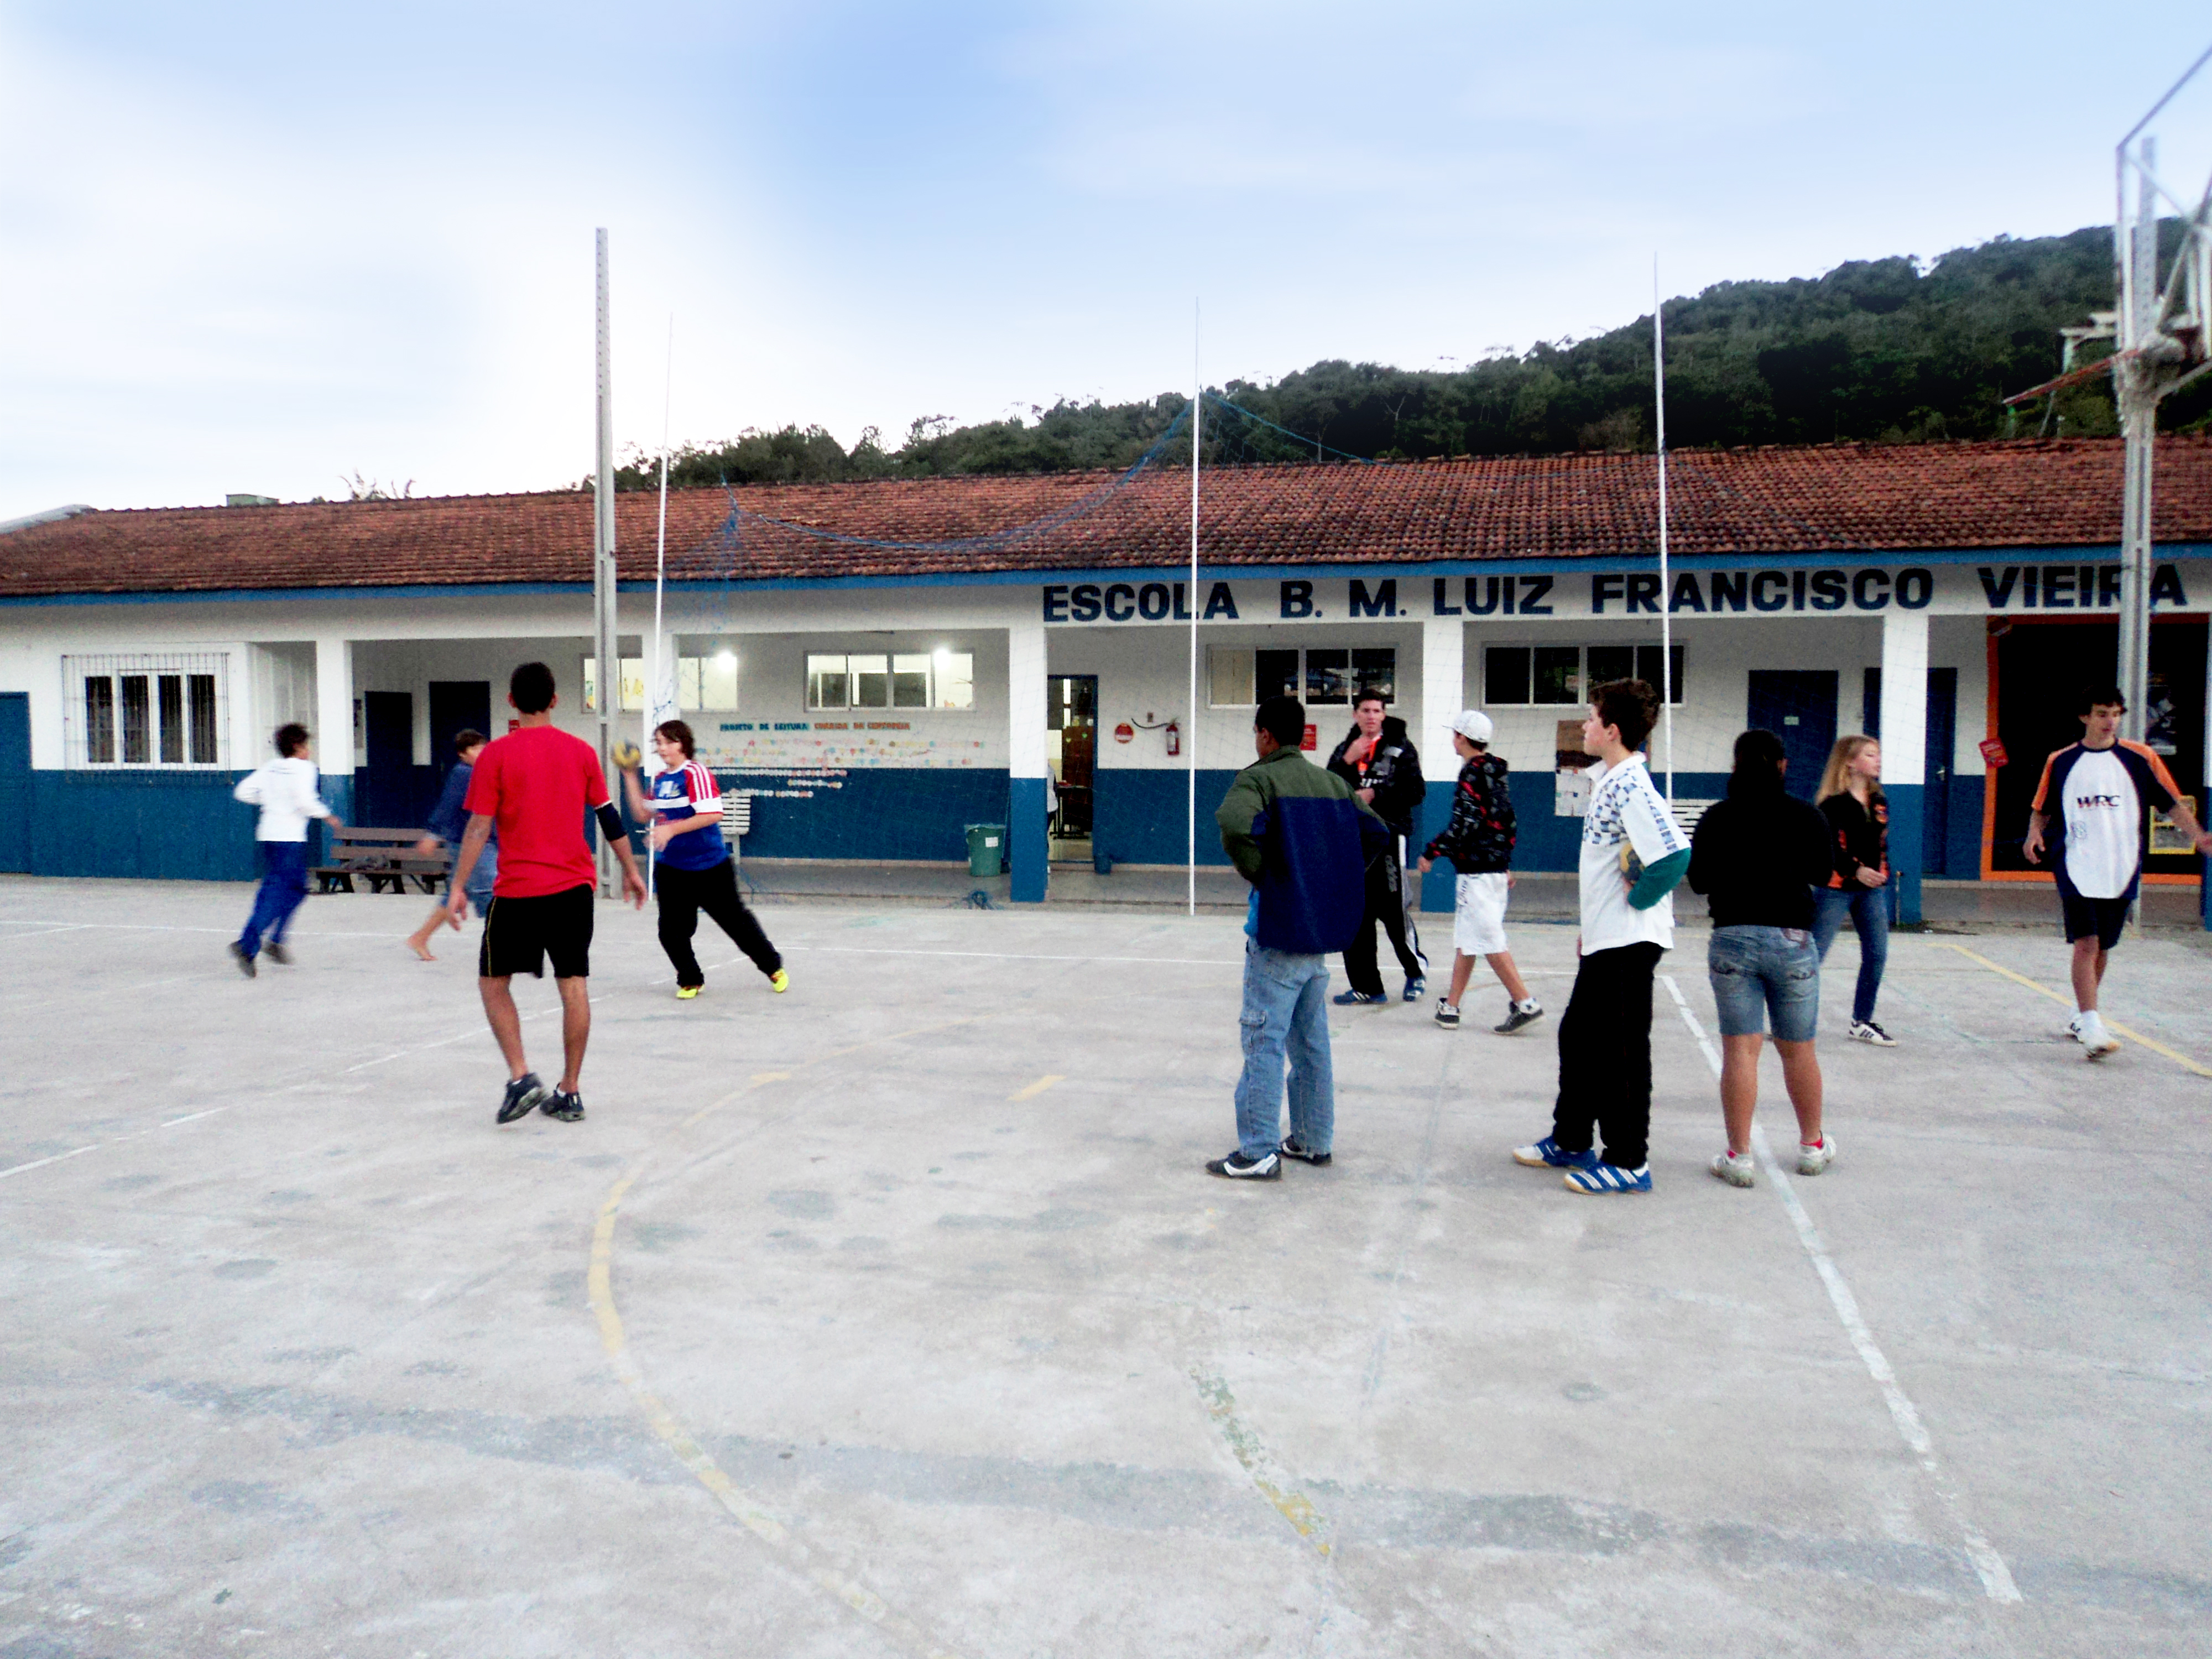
(262, 248)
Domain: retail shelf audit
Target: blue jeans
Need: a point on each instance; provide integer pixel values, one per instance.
(1285, 1017)
(1869, 910)
(1763, 973)
(283, 884)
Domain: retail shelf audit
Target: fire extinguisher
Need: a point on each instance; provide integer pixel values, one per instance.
(1175, 738)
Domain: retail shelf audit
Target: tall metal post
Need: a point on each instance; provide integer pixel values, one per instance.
(2134, 385)
(607, 641)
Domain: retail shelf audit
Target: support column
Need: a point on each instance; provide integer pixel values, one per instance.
(1904, 750)
(1444, 691)
(1027, 844)
(333, 727)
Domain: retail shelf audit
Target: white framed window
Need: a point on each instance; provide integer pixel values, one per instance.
(632, 684)
(1561, 675)
(151, 710)
(705, 672)
(1321, 676)
(941, 679)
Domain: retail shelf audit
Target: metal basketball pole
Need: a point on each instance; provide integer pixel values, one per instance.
(607, 644)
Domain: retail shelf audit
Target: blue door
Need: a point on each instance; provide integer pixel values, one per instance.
(1798, 706)
(1942, 737)
(456, 705)
(15, 781)
(388, 781)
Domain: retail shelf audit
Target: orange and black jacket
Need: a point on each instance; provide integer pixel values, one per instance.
(1858, 836)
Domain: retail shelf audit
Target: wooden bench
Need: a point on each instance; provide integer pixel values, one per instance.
(383, 859)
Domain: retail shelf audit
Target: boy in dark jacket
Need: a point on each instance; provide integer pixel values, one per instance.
(448, 823)
(1383, 769)
(1478, 842)
(1298, 835)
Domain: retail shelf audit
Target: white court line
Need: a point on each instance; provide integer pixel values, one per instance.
(193, 1117)
(52, 926)
(41, 1163)
(1018, 956)
(1995, 1576)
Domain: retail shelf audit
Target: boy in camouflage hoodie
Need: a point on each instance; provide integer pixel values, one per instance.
(1478, 842)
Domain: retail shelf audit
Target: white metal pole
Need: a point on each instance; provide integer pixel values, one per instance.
(607, 645)
(659, 577)
(1197, 420)
(1666, 592)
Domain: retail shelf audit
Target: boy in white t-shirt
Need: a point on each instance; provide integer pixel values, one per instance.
(2100, 789)
(288, 792)
(1632, 856)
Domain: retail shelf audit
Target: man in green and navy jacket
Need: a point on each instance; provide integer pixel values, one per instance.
(1302, 840)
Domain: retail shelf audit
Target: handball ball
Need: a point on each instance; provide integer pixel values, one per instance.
(626, 754)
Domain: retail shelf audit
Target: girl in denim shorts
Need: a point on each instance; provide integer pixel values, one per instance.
(1757, 856)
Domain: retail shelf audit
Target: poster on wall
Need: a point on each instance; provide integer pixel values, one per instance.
(795, 760)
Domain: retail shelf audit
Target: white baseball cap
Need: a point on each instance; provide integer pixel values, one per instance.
(1473, 725)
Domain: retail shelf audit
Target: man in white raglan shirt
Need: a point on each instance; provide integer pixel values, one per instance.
(1632, 856)
(288, 792)
(2096, 791)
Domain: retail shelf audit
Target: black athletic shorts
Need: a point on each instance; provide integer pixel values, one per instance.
(2103, 917)
(520, 933)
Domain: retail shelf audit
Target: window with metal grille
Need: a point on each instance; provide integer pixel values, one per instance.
(151, 709)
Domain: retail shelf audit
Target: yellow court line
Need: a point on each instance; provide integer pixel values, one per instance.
(1033, 1089)
(2175, 1055)
(1292, 1506)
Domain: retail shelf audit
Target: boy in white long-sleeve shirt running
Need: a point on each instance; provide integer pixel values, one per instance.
(288, 792)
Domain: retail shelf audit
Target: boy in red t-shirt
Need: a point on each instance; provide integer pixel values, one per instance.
(536, 783)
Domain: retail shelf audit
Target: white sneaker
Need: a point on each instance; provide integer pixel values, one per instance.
(1865, 1030)
(1734, 1168)
(2074, 1027)
(2095, 1038)
(1811, 1160)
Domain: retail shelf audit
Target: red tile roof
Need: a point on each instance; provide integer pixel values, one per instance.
(1828, 498)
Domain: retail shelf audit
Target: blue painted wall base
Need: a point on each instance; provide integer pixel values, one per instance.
(1907, 821)
(1027, 845)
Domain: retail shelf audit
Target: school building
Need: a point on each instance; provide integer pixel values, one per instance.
(879, 664)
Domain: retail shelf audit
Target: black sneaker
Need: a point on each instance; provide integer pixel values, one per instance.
(563, 1107)
(240, 955)
(1447, 1016)
(1237, 1167)
(523, 1095)
(1291, 1149)
(276, 953)
(1519, 1014)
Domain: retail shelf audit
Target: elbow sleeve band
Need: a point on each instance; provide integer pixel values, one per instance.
(611, 824)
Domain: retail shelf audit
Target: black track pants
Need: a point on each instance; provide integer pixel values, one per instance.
(683, 894)
(1390, 901)
(1605, 1056)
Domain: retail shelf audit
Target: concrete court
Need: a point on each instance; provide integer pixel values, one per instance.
(916, 1326)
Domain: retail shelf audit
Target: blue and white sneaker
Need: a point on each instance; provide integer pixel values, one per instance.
(1359, 999)
(1415, 990)
(1546, 1154)
(1610, 1178)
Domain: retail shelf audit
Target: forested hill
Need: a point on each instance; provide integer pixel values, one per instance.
(1880, 351)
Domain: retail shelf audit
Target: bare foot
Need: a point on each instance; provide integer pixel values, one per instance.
(420, 946)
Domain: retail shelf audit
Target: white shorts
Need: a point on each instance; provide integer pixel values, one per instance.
(1478, 915)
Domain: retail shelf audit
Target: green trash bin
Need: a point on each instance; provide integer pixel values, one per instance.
(987, 848)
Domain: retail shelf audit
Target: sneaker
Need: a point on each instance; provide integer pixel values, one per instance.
(522, 1098)
(1865, 1030)
(563, 1107)
(685, 992)
(1357, 999)
(1415, 990)
(1518, 1014)
(1291, 1149)
(1610, 1178)
(1734, 1168)
(1447, 1016)
(2074, 1027)
(1811, 1160)
(1237, 1167)
(1547, 1154)
(276, 953)
(779, 981)
(243, 957)
(2095, 1038)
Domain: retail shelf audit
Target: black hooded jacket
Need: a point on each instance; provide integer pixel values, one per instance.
(1394, 773)
(1759, 854)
